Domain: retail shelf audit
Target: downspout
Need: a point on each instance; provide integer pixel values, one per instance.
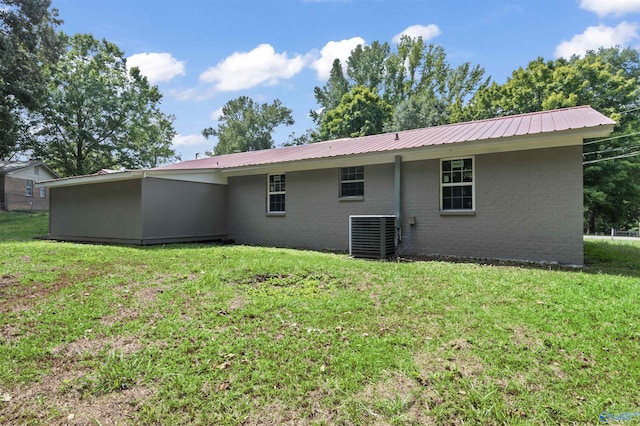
(398, 198)
(142, 209)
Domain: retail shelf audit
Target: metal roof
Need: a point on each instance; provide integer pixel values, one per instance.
(536, 123)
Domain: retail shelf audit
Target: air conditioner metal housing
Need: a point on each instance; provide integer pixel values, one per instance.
(372, 236)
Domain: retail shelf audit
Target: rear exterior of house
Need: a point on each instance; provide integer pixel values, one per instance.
(18, 189)
(528, 206)
(507, 188)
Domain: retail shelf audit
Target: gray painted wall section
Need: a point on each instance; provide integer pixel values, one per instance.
(139, 211)
(178, 210)
(528, 207)
(100, 212)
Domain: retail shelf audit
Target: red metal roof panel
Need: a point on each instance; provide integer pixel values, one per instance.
(495, 128)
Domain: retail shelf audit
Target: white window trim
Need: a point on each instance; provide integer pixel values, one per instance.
(473, 185)
(351, 197)
(29, 188)
(43, 192)
(269, 194)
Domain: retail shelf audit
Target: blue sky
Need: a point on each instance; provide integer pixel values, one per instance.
(202, 53)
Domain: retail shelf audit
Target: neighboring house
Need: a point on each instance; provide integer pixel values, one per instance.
(18, 190)
(505, 188)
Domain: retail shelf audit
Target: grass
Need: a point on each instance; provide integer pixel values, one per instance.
(15, 226)
(204, 334)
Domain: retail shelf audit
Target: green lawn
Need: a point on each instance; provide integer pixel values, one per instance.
(205, 334)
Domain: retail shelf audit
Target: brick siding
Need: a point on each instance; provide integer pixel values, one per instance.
(14, 195)
(528, 207)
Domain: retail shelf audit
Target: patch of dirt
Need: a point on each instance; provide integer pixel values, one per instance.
(237, 302)
(10, 332)
(147, 295)
(122, 314)
(460, 363)
(522, 337)
(81, 347)
(18, 296)
(275, 413)
(397, 388)
(49, 403)
(64, 397)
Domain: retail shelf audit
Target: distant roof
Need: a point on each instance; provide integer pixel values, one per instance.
(582, 117)
(12, 166)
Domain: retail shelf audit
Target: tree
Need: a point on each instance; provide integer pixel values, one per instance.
(28, 41)
(415, 80)
(607, 80)
(329, 96)
(248, 126)
(99, 115)
(417, 112)
(361, 112)
(366, 66)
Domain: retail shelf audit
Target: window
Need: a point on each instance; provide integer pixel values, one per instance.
(43, 192)
(29, 188)
(352, 181)
(276, 191)
(456, 184)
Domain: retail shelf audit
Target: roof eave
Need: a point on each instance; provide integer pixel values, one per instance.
(475, 147)
(195, 175)
(83, 180)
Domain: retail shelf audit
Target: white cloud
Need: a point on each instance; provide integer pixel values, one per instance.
(215, 115)
(189, 140)
(427, 32)
(244, 70)
(334, 50)
(156, 67)
(595, 37)
(611, 7)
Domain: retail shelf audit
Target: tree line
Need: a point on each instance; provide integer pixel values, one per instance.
(384, 89)
(72, 101)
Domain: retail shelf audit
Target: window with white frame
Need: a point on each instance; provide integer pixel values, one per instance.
(43, 192)
(276, 193)
(457, 184)
(29, 190)
(352, 181)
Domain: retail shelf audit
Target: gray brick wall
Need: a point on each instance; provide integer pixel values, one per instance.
(528, 207)
(15, 196)
(315, 216)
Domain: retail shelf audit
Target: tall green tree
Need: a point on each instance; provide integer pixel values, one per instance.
(415, 80)
(247, 126)
(608, 80)
(361, 112)
(28, 41)
(366, 66)
(421, 110)
(330, 95)
(100, 115)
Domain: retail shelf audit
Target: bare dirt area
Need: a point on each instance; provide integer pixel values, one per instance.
(67, 395)
(18, 294)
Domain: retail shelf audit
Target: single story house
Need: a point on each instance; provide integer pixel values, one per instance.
(17, 185)
(503, 188)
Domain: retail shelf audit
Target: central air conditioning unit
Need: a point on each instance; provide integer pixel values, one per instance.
(372, 236)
